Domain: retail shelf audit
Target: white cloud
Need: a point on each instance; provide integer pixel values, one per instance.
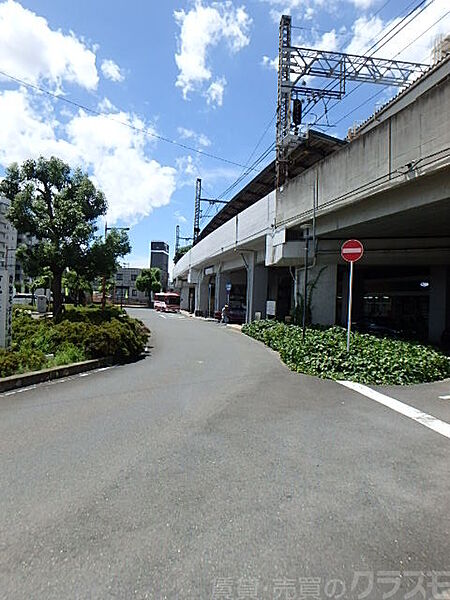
(419, 46)
(26, 131)
(214, 94)
(199, 138)
(114, 155)
(270, 63)
(30, 50)
(328, 41)
(364, 30)
(187, 170)
(363, 4)
(202, 28)
(111, 70)
(301, 9)
(106, 105)
(179, 217)
(134, 184)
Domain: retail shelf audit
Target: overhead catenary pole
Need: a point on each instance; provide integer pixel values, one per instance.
(298, 70)
(178, 238)
(197, 207)
(283, 99)
(198, 195)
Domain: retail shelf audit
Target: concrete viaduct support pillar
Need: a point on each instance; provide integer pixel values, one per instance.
(221, 292)
(439, 302)
(260, 283)
(250, 266)
(322, 291)
(257, 279)
(201, 295)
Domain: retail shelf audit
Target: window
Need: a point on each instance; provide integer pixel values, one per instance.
(133, 277)
(119, 276)
(134, 292)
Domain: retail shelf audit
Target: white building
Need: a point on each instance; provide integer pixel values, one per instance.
(125, 290)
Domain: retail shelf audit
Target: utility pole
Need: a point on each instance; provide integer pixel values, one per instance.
(104, 276)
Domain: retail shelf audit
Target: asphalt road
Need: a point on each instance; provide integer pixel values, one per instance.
(208, 470)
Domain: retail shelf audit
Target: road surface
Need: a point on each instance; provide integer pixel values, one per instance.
(208, 470)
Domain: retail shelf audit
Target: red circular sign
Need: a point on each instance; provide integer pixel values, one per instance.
(352, 250)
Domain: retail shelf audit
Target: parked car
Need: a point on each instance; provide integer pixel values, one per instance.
(236, 313)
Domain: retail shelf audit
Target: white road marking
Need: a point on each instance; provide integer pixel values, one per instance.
(445, 397)
(162, 316)
(417, 415)
(55, 381)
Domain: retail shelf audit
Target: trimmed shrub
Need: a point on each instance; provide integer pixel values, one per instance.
(12, 363)
(371, 360)
(83, 333)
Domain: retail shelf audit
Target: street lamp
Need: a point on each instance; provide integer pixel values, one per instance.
(104, 276)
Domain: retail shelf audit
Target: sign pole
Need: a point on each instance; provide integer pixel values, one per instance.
(350, 298)
(351, 251)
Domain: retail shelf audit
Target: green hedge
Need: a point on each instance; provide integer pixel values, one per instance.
(12, 363)
(84, 333)
(371, 360)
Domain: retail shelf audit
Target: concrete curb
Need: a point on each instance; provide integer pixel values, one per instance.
(25, 379)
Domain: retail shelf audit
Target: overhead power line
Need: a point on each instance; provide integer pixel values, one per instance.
(375, 49)
(375, 46)
(98, 113)
(399, 52)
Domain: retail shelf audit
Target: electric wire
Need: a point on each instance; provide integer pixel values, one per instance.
(384, 87)
(376, 46)
(414, 16)
(98, 113)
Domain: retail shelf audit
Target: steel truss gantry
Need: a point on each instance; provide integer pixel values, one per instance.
(298, 66)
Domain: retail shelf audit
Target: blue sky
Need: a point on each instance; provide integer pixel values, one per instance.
(197, 72)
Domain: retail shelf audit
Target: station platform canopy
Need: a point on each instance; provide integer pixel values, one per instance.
(309, 149)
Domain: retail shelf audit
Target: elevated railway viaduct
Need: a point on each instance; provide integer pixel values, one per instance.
(388, 185)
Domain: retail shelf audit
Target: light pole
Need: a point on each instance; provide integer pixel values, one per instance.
(104, 276)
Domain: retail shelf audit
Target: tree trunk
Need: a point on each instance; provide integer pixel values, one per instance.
(57, 295)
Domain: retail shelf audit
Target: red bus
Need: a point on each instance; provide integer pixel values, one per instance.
(167, 302)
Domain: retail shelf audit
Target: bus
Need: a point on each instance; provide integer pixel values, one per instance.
(167, 302)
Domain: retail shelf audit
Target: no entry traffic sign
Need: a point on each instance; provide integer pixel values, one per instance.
(352, 250)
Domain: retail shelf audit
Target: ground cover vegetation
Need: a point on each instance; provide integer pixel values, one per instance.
(371, 360)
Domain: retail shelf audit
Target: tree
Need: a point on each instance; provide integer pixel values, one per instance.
(77, 284)
(60, 208)
(181, 252)
(149, 281)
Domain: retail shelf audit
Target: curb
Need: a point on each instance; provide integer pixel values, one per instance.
(25, 379)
